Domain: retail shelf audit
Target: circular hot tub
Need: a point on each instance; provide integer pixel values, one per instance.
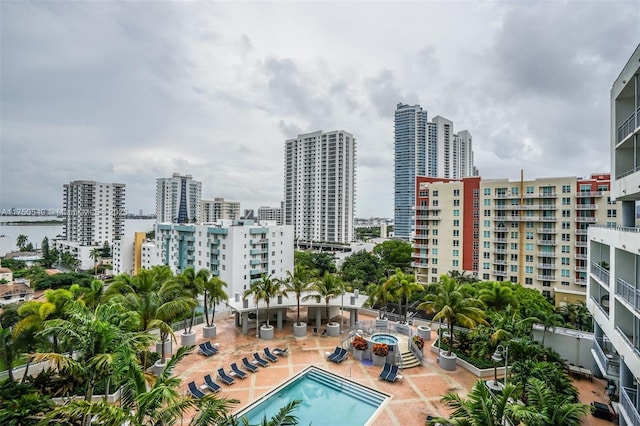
(384, 338)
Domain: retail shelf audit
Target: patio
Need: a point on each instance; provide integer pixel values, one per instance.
(413, 398)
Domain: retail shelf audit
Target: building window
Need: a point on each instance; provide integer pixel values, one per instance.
(435, 193)
(565, 261)
(487, 213)
(566, 189)
(486, 265)
(566, 201)
(528, 247)
(565, 283)
(528, 269)
(455, 263)
(456, 203)
(456, 213)
(513, 268)
(566, 249)
(434, 251)
(513, 246)
(565, 273)
(612, 213)
(456, 253)
(529, 190)
(528, 281)
(456, 192)
(487, 191)
(487, 202)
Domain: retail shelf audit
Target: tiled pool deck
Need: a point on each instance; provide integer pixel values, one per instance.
(413, 398)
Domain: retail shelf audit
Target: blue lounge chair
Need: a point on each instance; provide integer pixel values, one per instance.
(248, 366)
(202, 349)
(211, 348)
(269, 355)
(226, 379)
(335, 352)
(281, 352)
(385, 371)
(340, 356)
(239, 373)
(194, 391)
(393, 374)
(213, 386)
(259, 360)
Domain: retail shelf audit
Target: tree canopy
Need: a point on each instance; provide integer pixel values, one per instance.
(361, 268)
(394, 254)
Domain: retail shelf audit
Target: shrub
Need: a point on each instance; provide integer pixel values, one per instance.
(380, 349)
(418, 341)
(359, 343)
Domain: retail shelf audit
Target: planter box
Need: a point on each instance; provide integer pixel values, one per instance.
(209, 332)
(266, 332)
(379, 360)
(424, 332)
(167, 347)
(448, 362)
(188, 339)
(111, 398)
(333, 329)
(300, 330)
(358, 353)
(158, 367)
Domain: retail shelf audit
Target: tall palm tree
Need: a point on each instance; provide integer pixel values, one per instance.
(21, 241)
(498, 296)
(328, 287)
(213, 293)
(297, 283)
(454, 306)
(193, 284)
(264, 289)
(377, 295)
(7, 350)
(401, 286)
(155, 298)
(95, 255)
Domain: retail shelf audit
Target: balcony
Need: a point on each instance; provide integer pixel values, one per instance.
(420, 255)
(499, 273)
(585, 194)
(628, 402)
(499, 262)
(546, 243)
(580, 231)
(608, 361)
(547, 231)
(600, 273)
(586, 219)
(500, 229)
(546, 254)
(580, 269)
(582, 243)
(580, 256)
(548, 219)
(419, 246)
(628, 292)
(499, 251)
(580, 281)
(546, 277)
(628, 340)
(628, 127)
(586, 207)
(500, 240)
(546, 266)
(423, 227)
(419, 265)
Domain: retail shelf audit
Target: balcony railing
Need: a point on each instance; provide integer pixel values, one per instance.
(628, 293)
(586, 219)
(547, 231)
(629, 402)
(546, 278)
(419, 265)
(627, 340)
(584, 194)
(580, 281)
(580, 256)
(499, 273)
(610, 361)
(586, 207)
(628, 126)
(546, 266)
(619, 228)
(546, 243)
(499, 262)
(600, 273)
(580, 231)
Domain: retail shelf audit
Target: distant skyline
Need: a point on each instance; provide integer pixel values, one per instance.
(130, 92)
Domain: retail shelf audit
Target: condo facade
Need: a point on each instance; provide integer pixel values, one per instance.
(613, 284)
(178, 199)
(532, 232)
(319, 186)
(270, 214)
(425, 148)
(239, 252)
(219, 208)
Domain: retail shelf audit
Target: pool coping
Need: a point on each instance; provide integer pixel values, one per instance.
(250, 406)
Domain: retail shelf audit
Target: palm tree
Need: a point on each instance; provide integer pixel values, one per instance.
(548, 321)
(193, 284)
(264, 289)
(283, 417)
(95, 255)
(454, 306)
(7, 350)
(155, 298)
(21, 241)
(297, 283)
(377, 295)
(213, 293)
(498, 296)
(328, 287)
(401, 286)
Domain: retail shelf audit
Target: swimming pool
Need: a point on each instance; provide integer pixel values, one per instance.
(384, 338)
(327, 399)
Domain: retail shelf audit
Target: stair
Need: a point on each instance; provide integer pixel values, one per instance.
(409, 360)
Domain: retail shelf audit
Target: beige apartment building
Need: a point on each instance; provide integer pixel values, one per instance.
(532, 232)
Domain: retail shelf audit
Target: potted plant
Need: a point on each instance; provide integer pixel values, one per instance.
(380, 352)
(298, 283)
(360, 345)
(213, 293)
(264, 289)
(418, 341)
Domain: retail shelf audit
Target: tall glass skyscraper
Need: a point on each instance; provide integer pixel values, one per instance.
(425, 148)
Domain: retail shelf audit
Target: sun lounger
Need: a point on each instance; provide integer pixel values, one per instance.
(248, 366)
(393, 374)
(213, 386)
(385, 371)
(228, 380)
(340, 356)
(238, 373)
(212, 348)
(202, 349)
(281, 352)
(194, 391)
(335, 352)
(259, 360)
(269, 355)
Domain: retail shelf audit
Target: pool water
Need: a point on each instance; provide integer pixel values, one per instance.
(384, 338)
(327, 399)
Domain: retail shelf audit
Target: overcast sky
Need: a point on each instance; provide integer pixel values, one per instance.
(129, 92)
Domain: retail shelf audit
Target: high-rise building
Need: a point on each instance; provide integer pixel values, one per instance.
(319, 186)
(219, 208)
(94, 212)
(532, 232)
(239, 252)
(270, 214)
(424, 148)
(178, 199)
(613, 284)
